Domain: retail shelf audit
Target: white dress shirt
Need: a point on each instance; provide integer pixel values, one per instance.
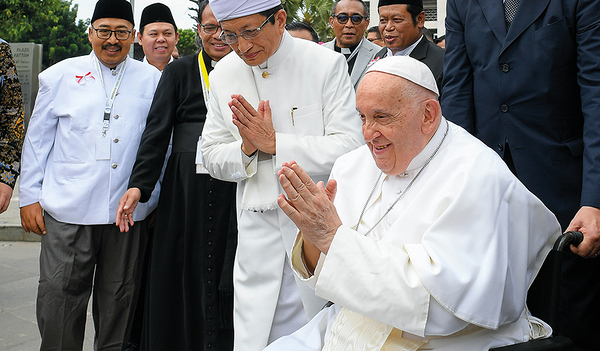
(60, 165)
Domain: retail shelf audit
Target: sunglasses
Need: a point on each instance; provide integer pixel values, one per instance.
(342, 18)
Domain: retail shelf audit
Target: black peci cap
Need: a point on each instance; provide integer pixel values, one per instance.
(157, 12)
(113, 9)
(418, 3)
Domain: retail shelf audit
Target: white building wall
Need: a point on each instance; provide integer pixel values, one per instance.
(441, 15)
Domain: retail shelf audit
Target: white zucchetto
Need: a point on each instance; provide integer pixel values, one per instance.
(407, 68)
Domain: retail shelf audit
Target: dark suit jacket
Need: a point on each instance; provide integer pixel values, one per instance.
(428, 53)
(535, 88)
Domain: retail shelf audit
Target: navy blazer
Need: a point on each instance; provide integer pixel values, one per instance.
(535, 88)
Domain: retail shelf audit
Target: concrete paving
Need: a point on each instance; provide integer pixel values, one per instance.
(19, 275)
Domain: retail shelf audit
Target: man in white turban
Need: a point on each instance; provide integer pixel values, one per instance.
(276, 99)
(423, 239)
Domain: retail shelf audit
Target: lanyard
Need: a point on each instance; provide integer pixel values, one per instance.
(203, 77)
(110, 100)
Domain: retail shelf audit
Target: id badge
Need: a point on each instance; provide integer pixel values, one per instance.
(102, 148)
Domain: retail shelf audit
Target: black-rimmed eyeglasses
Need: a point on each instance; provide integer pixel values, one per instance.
(342, 18)
(209, 28)
(120, 34)
(232, 38)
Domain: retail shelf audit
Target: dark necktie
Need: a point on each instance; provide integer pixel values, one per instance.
(510, 8)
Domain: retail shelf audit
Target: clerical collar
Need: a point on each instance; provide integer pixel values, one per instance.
(429, 149)
(207, 59)
(282, 51)
(345, 51)
(406, 51)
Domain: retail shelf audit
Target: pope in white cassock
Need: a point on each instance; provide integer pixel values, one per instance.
(275, 99)
(423, 239)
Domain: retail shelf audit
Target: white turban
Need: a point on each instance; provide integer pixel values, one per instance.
(408, 68)
(230, 9)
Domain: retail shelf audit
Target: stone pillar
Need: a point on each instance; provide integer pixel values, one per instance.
(28, 59)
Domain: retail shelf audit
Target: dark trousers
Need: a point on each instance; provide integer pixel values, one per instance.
(76, 260)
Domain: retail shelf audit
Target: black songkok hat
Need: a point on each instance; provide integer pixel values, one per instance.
(157, 12)
(418, 3)
(113, 9)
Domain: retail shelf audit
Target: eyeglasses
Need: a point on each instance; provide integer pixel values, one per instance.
(232, 38)
(120, 34)
(209, 28)
(342, 18)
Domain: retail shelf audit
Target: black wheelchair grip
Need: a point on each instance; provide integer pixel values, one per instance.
(571, 237)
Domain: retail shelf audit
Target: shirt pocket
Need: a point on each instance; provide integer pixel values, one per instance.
(136, 111)
(72, 147)
(308, 120)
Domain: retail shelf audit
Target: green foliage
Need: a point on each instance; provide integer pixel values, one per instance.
(17, 16)
(52, 23)
(313, 12)
(187, 42)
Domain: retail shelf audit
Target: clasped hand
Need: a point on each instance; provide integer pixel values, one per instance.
(309, 205)
(255, 127)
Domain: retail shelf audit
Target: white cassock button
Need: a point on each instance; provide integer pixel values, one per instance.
(265, 75)
(116, 140)
(114, 165)
(117, 116)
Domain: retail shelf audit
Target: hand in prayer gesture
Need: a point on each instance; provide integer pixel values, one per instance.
(255, 127)
(309, 205)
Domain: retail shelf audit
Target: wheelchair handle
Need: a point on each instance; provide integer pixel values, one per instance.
(572, 237)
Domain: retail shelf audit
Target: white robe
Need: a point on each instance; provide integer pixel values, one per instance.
(311, 81)
(459, 250)
(59, 167)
